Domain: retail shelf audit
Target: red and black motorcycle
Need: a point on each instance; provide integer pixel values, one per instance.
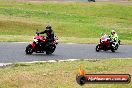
(107, 44)
(40, 44)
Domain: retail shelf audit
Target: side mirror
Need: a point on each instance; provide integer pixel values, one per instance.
(37, 33)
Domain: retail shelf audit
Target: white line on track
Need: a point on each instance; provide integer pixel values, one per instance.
(51, 61)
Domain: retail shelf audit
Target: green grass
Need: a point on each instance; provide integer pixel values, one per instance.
(26, 38)
(79, 20)
(61, 74)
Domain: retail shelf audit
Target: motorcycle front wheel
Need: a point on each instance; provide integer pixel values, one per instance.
(29, 49)
(97, 48)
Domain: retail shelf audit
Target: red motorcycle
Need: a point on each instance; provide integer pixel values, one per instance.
(40, 45)
(106, 44)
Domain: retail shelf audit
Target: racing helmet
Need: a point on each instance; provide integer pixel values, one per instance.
(48, 27)
(113, 31)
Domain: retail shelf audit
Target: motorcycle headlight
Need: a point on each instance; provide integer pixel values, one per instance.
(35, 39)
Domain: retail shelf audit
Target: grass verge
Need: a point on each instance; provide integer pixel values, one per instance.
(61, 74)
(78, 20)
(26, 38)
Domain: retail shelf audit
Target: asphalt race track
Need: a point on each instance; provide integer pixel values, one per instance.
(15, 52)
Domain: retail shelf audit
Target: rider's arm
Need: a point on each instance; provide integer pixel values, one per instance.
(42, 32)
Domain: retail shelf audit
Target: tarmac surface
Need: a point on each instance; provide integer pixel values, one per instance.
(11, 52)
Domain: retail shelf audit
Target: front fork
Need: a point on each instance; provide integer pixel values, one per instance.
(33, 45)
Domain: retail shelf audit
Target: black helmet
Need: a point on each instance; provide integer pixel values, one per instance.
(48, 27)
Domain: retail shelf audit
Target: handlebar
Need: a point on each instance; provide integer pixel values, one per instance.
(37, 33)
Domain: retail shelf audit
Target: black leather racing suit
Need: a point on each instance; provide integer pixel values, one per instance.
(49, 37)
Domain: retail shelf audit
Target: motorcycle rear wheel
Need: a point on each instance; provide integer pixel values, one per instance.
(116, 46)
(50, 49)
(112, 49)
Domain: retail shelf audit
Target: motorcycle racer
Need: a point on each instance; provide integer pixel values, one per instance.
(42, 44)
(49, 35)
(49, 32)
(115, 39)
(114, 36)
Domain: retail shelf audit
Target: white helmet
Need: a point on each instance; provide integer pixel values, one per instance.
(113, 31)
